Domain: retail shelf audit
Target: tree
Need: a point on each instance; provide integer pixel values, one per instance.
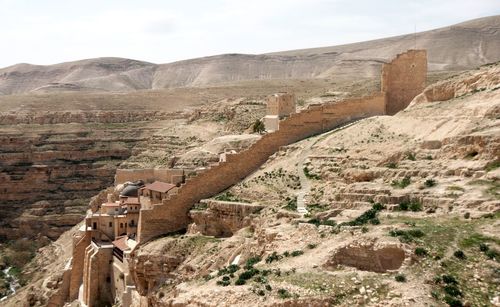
(258, 126)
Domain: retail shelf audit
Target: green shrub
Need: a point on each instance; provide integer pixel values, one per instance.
(420, 251)
(246, 275)
(367, 216)
(452, 290)
(375, 221)
(400, 278)
(378, 207)
(251, 261)
(403, 206)
(459, 254)
(240, 282)
(261, 292)
(273, 257)
(449, 279)
(286, 254)
(228, 270)
(364, 229)
(428, 157)
(411, 156)
(430, 183)
(403, 183)
(391, 165)
(406, 236)
(493, 254)
(483, 247)
(467, 215)
(283, 293)
(453, 302)
(310, 175)
(415, 206)
(296, 253)
(223, 283)
(258, 126)
(269, 288)
(329, 223)
(311, 245)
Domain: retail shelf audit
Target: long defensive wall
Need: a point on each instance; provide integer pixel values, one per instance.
(402, 80)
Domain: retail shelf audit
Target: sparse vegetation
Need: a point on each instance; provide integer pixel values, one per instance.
(460, 255)
(258, 126)
(392, 165)
(403, 183)
(429, 183)
(400, 278)
(310, 175)
(369, 216)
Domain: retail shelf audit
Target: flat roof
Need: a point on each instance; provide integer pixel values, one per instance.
(159, 186)
(111, 205)
(132, 201)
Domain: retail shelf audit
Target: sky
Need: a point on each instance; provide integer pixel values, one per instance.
(54, 31)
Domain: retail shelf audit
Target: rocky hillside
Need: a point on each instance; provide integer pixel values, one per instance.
(402, 211)
(478, 39)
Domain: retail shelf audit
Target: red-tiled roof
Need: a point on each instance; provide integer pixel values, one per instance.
(132, 201)
(121, 243)
(159, 186)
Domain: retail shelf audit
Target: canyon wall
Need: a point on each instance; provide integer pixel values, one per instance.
(172, 214)
(48, 173)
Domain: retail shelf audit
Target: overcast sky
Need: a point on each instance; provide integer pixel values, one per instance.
(53, 31)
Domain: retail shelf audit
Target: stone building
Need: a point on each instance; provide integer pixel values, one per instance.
(155, 192)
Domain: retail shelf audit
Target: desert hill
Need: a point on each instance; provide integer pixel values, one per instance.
(457, 47)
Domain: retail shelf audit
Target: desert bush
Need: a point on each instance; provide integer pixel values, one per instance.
(493, 254)
(311, 245)
(283, 293)
(452, 301)
(403, 183)
(296, 253)
(258, 126)
(391, 165)
(430, 183)
(411, 156)
(251, 262)
(449, 279)
(400, 278)
(452, 290)
(420, 251)
(459, 254)
(273, 257)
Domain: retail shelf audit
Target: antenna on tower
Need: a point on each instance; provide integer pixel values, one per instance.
(415, 34)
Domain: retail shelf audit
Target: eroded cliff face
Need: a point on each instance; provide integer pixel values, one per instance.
(49, 173)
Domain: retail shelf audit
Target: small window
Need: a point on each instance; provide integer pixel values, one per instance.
(94, 225)
(110, 224)
(121, 225)
(132, 223)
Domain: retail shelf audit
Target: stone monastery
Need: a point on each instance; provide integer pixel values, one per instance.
(156, 202)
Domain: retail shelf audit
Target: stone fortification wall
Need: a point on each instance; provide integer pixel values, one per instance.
(172, 214)
(96, 275)
(403, 79)
(161, 174)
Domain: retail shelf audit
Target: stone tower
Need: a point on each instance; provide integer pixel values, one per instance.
(403, 79)
(279, 106)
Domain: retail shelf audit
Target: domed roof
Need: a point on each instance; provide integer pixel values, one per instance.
(130, 191)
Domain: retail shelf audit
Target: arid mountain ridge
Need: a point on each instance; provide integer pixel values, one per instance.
(478, 40)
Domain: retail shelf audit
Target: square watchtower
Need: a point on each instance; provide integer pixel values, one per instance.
(279, 106)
